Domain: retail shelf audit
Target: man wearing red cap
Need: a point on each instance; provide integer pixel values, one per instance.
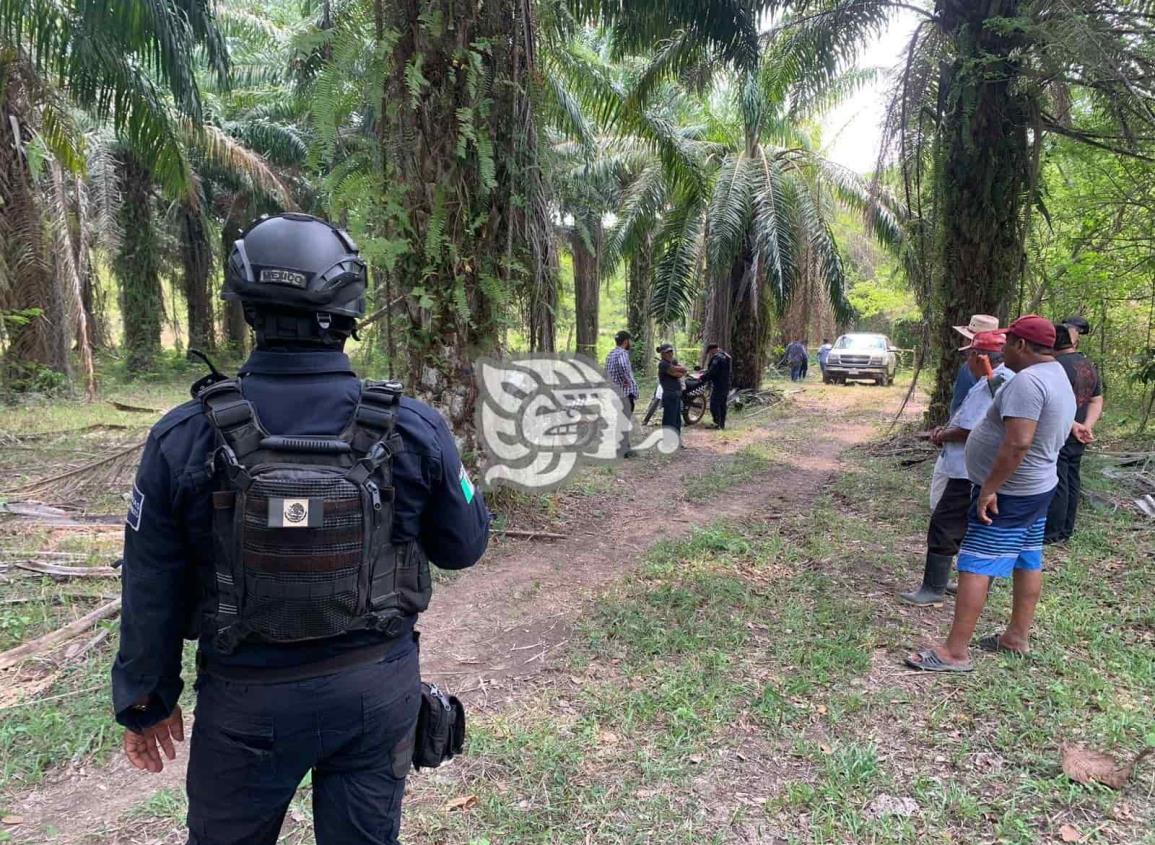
(1010, 458)
(948, 522)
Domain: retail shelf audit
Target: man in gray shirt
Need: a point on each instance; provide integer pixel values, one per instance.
(1010, 458)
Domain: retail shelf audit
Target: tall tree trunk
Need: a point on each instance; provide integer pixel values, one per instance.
(67, 247)
(40, 339)
(749, 326)
(639, 283)
(586, 281)
(236, 330)
(982, 177)
(137, 268)
(197, 259)
(464, 147)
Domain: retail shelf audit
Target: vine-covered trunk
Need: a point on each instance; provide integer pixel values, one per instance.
(196, 259)
(982, 178)
(586, 277)
(137, 267)
(38, 332)
(464, 165)
(639, 283)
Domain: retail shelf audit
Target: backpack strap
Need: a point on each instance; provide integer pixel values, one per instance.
(373, 432)
(235, 421)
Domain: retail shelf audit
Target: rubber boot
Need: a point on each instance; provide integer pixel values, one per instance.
(934, 579)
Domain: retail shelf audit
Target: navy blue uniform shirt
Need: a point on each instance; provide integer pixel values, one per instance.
(718, 370)
(169, 532)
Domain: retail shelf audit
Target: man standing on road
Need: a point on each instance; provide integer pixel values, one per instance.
(620, 374)
(718, 368)
(670, 374)
(823, 355)
(948, 522)
(1088, 389)
(796, 356)
(1010, 458)
(287, 518)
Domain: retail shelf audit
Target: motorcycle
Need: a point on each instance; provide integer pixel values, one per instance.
(695, 401)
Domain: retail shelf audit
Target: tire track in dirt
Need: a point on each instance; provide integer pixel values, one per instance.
(506, 620)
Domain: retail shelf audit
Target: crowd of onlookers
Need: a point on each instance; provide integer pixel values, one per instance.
(1006, 481)
(1007, 478)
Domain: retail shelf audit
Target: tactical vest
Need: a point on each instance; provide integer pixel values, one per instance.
(303, 526)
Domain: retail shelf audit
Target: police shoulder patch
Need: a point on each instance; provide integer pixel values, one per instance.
(135, 509)
(466, 486)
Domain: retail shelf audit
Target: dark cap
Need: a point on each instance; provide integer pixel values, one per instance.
(1079, 324)
(665, 347)
(1034, 328)
(621, 337)
(1063, 336)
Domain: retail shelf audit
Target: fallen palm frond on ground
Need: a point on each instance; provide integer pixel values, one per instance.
(89, 480)
(907, 446)
(44, 644)
(1132, 476)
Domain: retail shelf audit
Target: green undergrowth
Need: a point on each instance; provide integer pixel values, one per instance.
(747, 682)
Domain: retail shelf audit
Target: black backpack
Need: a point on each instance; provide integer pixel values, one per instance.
(302, 526)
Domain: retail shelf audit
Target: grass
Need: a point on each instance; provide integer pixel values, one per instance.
(59, 710)
(745, 683)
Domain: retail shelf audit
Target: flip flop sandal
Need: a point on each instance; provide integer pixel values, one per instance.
(994, 644)
(929, 661)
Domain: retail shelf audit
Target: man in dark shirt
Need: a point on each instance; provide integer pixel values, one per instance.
(670, 374)
(344, 706)
(796, 356)
(1088, 387)
(718, 367)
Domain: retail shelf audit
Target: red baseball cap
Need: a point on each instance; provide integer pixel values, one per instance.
(987, 342)
(1034, 328)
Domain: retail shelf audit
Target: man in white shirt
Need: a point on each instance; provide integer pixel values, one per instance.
(948, 522)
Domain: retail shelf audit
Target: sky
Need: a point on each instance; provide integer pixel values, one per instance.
(853, 131)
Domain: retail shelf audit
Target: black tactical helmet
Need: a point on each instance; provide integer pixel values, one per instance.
(296, 262)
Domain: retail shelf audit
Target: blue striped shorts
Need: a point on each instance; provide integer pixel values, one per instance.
(1014, 540)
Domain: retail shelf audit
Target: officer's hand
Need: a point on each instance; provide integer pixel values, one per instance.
(143, 749)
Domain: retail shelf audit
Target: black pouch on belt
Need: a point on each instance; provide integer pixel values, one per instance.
(440, 728)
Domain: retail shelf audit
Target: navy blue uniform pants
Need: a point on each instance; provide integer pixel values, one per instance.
(252, 744)
(672, 410)
(719, 397)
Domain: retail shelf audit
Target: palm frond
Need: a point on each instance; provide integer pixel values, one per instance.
(677, 251)
(637, 215)
(563, 111)
(881, 211)
(728, 26)
(774, 213)
(824, 252)
(730, 210)
(222, 151)
(811, 47)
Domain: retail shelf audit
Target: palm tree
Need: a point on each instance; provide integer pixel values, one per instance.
(125, 63)
(763, 226)
(986, 82)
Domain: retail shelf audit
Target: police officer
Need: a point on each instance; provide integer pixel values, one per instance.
(718, 367)
(268, 712)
